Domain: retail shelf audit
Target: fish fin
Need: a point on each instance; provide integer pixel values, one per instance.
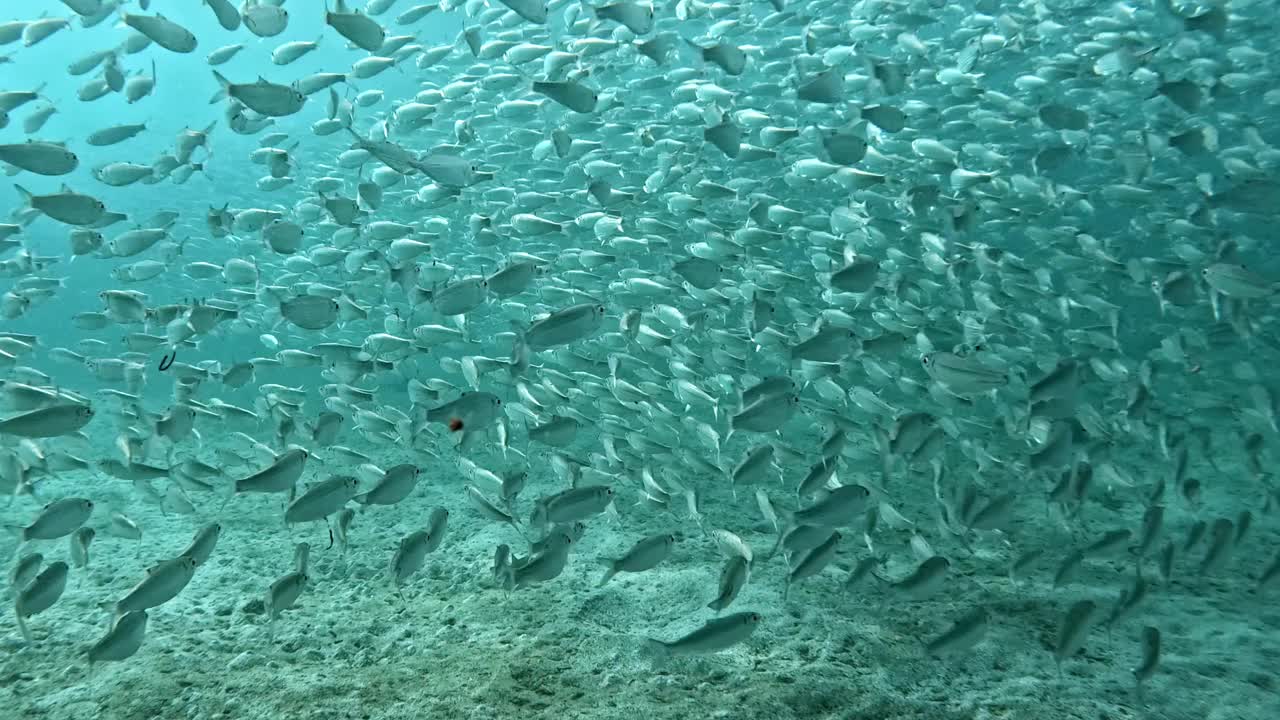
(22, 625)
(609, 573)
(26, 195)
(656, 651)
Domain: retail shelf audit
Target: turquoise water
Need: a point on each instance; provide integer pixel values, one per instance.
(743, 359)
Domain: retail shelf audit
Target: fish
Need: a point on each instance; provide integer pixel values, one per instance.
(266, 98)
(41, 158)
(470, 411)
(570, 505)
(1237, 281)
(163, 582)
(572, 95)
(644, 555)
(25, 569)
(558, 431)
(40, 594)
(637, 17)
(546, 564)
(263, 19)
(813, 561)
(966, 632)
(202, 545)
(225, 53)
(79, 542)
(394, 485)
(123, 640)
(963, 375)
(1150, 656)
(282, 595)
(162, 31)
(765, 415)
(291, 51)
(631, 281)
(59, 518)
(65, 206)
(322, 499)
(55, 420)
(280, 476)
(502, 571)
(310, 312)
(834, 508)
(361, 30)
(1075, 628)
(714, 636)
(535, 11)
(226, 14)
(923, 582)
(564, 326)
(414, 547)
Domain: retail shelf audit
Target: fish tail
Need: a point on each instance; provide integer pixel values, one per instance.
(225, 87)
(26, 195)
(774, 550)
(699, 53)
(22, 625)
(611, 570)
(656, 650)
(886, 457)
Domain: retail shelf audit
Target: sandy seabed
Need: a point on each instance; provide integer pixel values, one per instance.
(456, 647)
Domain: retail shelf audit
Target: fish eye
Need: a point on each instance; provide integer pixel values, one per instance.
(924, 360)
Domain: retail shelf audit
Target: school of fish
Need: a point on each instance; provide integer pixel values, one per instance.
(876, 304)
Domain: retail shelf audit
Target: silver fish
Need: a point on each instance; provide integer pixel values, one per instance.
(714, 636)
